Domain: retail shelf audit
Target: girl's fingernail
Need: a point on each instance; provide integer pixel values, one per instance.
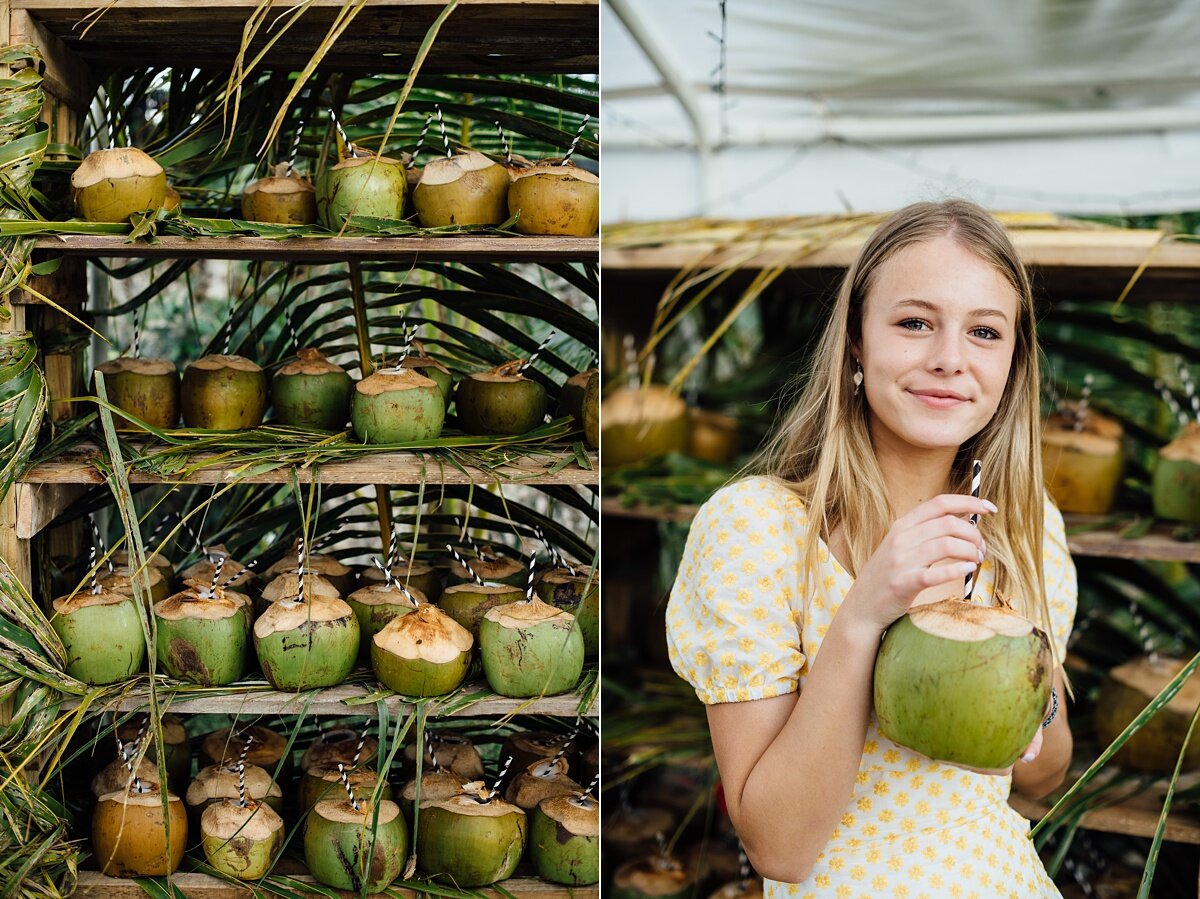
(1028, 757)
(968, 567)
(981, 557)
(987, 504)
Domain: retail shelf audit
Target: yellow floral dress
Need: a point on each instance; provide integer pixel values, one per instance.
(738, 629)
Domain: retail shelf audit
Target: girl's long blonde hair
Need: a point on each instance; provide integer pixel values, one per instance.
(822, 451)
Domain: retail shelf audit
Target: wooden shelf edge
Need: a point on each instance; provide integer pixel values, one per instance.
(98, 886)
(1107, 543)
(333, 702)
(1124, 818)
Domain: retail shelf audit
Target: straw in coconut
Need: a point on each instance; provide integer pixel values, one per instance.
(442, 125)
(541, 346)
(342, 134)
(463, 562)
(358, 749)
(575, 140)
(95, 582)
(504, 144)
(559, 560)
(567, 741)
(500, 777)
(295, 147)
(1169, 398)
(420, 142)
(529, 580)
(390, 580)
(241, 769)
(346, 784)
(98, 542)
(467, 537)
(137, 333)
(1189, 389)
(437, 769)
(591, 787)
(976, 477)
(1085, 396)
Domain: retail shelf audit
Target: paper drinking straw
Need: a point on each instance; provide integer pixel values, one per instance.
(463, 562)
(541, 346)
(575, 140)
(976, 472)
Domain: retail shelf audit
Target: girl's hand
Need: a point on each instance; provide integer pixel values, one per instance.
(910, 558)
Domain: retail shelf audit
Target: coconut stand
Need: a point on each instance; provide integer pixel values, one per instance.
(293, 488)
(656, 379)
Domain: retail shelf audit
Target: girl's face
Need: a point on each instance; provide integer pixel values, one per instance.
(938, 333)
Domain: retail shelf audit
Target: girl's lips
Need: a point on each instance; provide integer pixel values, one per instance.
(936, 401)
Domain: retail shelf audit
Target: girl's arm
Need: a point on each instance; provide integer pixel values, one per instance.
(788, 764)
(1046, 772)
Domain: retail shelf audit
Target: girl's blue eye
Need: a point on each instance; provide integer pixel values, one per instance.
(913, 324)
(986, 333)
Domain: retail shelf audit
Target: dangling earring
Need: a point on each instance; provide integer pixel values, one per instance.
(858, 376)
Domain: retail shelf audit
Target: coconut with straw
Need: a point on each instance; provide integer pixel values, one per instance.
(1082, 456)
(422, 653)
(397, 404)
(461, 188)
(204, 633)
(504, 400)
(133, 835)
(101, 632)
(961, 682)
(283, 197)
(241, 838)
(564, 837)
(146, 388)
(467, 602)
(420, 360)
(361, 183)
(639, 422)
(1176, 484)
(556, 196)
(1158, 744)
(312, 392)
(377, 604)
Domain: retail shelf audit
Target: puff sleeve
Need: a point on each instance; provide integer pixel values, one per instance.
(735, 613)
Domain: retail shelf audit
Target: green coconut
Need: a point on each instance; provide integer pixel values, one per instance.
(312, 392)
(472, 839)
(1176, 486)
(397, 405)
(500, 401)
(423, 653)
(529, 648)
(712, 436)
(642, 423)
(658, 876)
(305, 645)
(355, 849)
(282, 198)
(1126, 692)
(328, 567)
(467, 603)
(131, 837)
(1082, 467)
(363, 184)
(963, 683)
(464, 189)
(578, 594)
(424, 364)
(172, 201)
(21, 384)
(120, 580)
(435, 786)
(376, 605)
(217, 783)
(590, 418)
(564, 839)
(530, 747)
(102, 635)
(541, 780)
(267, 749)
(491, 566)
(242, 841)
(451, 752)
(286, 585)
(178, 748)
(558, 198)
(203, 634)
(571, 394)
(414, 576)
(322, 782)
(148, 389)
(223, 393)
(111, 185)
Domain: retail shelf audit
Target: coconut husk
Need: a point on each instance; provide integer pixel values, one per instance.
(525, 614)
(338, 746)
(576, 814)
(287, 586)
(427, 633)
(455, 752)
(138, 365)
(1185, 447)
(255, 821)
(221, 782)
(283, 616)
(341, 811)
(385, 380)
(541, 780)
(310, 361)
(115, 776)
(222, 748)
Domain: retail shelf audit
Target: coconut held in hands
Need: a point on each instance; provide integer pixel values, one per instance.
(1176, 485)
(464, 189)
(1082, 465)
(148, 389)
(555, 198)
(223, 393)
(282, 198)
(111, 185)
(397, 405)
(500, 401)
(963, 683)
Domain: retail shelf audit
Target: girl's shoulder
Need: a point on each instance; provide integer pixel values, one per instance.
(761, 496)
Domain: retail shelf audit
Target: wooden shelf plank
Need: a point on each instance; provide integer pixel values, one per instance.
(1157, 544)
(95, 885)
(1136, 817)
(333, 702)
(40, 504)
(469, 248)
(75, 467)
(384, 36)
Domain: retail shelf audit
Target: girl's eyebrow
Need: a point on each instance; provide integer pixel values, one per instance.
(932, 307)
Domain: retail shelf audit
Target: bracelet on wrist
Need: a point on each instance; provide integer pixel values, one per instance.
(1053, 708)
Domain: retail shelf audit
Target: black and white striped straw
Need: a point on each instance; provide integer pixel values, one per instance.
(1085, 397)
(631, 364)
(475, 548)
(389, 580)
(295, 147)
(541, 346)
(575, 140)
(592, 786)
(568, 741)
(228, 336)
(346, 784)
(1169, 398)
(442, 126)
(137, 332)
(437, 769)
(291, 326)
(532, 574)
(244, 573)
(463, 562)
(393, 546)
(300, 570)
(504, 145)
(341, 133)
(241, 769)
(560, 561)
(406, 347)
(98, 541)
(501, 775)
(412, 161)
(976, 478)
(358, 749)
(216, 578)
(95, 581)
(1189, 389)
(137, 783)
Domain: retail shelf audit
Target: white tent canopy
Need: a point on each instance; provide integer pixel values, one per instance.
(1068, 105)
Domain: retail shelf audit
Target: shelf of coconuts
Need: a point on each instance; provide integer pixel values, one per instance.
(256, 697)
(1087, 535)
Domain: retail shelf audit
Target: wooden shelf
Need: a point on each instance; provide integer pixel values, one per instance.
(95, 885)
(558, 36)
(1107, 543)
(470, 248)
(333, 702)
(1136, 817)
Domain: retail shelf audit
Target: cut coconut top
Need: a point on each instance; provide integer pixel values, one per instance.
(148, 798)
(121, 578)
(257, 821)
(526, 614)
(203, 570)
(287, 586)
(957, 619)
(468, 803)
(383, 595)
(359, 777)
(322, 564)
(116, 777)
(1093, 423)
(311, 361)
(580, 816)
(194, 605)
(351, 162)
(157, 560)
(85, 598)
(138, 366)
(558, 172)
(414, 361)
(527, 791)
(563, 576)
(388, 379)
(342, 812)
(282, 180)
(267, 745)
(337, 746)
(173, 730)
(447, 170)
(484, 589)
(441, 785)
(218, 782)
(454, 751)
(219, 362)
(656, 875)
(1149, 677)
(284, 616)
(428, 634)
(1185, 447)
(117, 163)
(399, 571)
(631, 406)
(547, 767)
